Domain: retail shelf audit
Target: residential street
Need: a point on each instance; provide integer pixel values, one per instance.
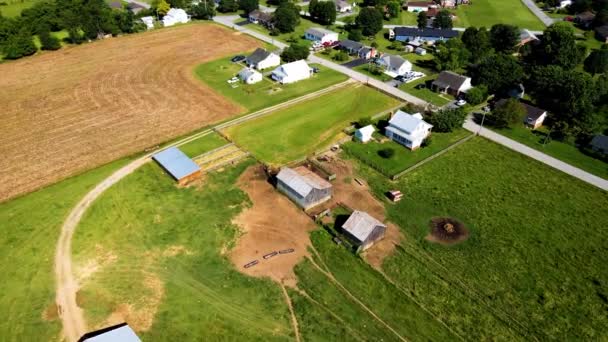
(538, 12)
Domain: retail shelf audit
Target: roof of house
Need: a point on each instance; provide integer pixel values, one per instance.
(116, 4)
(525, 35)
(532, 113)
(302, 180)
(258, 55)
(450, 79)
(350, 44)
(600, 141)
(365, 50)
(602, 31)
(407, 123)
(118, 333)
(293, 67)
(367, 130)
(246, 73)
(360, 225)
(420, 3)
(585, 16)
(176, 162)
(259, 15)
(394, 61)
(425, 32)
(319, 31)
(432, 12)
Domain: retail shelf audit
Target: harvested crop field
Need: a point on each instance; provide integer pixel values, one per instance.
(71, 110)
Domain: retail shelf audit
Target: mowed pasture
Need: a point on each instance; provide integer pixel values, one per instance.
(489, 12)
(303, 128)
(80, 107)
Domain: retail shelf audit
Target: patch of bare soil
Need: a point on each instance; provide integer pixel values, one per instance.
(355, 193)
(51, 312)
(447, 231)
(273, 223)
(71, 110)
(102, 258)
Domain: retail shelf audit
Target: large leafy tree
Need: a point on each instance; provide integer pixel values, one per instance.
(558, 47)
(286, 17)
(19, 45)
(205, 9)
(225, 6)
(504, 37)
(369, 21)
(477, 41)
(422, 20)
(451, 55)
(248, 5)
(47, 41)
(446, 120)
(295, 52)
(509, 113)
(443, 20)
(498, 72)
(597, 61)
(323, 12)
(393, 8)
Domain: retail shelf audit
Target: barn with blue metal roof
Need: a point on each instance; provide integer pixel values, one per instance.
(178, 165)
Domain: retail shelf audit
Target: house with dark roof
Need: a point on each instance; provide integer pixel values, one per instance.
(262, 59)
(406, 34)
(178, 165)
(601, 33)
(535, 117)
(526, 37)
(367, 52)
(599, 143)
(585, 19)
(452, 83)
(363, 230)
(304, 187)
(394, 65)
(350, 46)
(260, 18)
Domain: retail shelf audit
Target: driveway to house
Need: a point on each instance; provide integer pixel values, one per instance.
(535, 154)
(538, 12)
(355, 63)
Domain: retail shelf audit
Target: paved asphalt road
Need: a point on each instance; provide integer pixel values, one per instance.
(469, 124)
(355, 63)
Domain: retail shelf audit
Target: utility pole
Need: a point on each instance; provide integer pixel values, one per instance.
(482, 119)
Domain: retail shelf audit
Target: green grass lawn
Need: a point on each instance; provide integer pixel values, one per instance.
(14, 7)
(403, 158)
(405, 18)
(426, 93)
(533, 267)
(563, 151)
(138, 220)
(203, 144)
(30, 229)
(303, 128)
(489, 12)
(379, 75)
(298, 34)
(263, 94)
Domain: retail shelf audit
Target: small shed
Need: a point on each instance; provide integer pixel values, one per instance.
(178, 165)
(304, 187)
(250, 76)
(363, 230)
(420, 51)
(149, 21)
(116, 333)
(409, 48)
(364, 134)
(599, 143)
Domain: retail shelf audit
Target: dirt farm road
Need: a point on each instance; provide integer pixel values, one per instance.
(66, 286)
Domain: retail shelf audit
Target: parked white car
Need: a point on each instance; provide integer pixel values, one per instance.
(233, 80)
(461, 103)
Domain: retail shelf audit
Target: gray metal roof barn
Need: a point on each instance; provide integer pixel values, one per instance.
(303, 186)
(363, 229)
(117, 333)
(178, 165)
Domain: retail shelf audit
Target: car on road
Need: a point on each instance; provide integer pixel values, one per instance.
(461, 103)
(238, 58)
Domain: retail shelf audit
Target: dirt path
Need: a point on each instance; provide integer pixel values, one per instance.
(294, 319)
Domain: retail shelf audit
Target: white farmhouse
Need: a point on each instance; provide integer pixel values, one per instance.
(175, 16)
(565, 3)
(262, 59)
(364, 134)
(408, 130)
(343, 6)
(321, 35)
(250, 76)
(394, 65)
(149, 21)
(292, 72)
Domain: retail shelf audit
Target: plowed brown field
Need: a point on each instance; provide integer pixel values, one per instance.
(64, 112)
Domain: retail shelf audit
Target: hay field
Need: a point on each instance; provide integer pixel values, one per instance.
(77, 108)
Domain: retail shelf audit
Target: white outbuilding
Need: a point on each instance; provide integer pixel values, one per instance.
(149, 21)
(250, 76)
(364, 134)
(292, 72)
(175, 16)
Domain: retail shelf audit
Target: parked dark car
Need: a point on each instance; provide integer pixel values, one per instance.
(420, 86)
(238, 58)
(315, 70)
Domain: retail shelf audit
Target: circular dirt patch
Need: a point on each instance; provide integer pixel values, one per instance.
(446, 230)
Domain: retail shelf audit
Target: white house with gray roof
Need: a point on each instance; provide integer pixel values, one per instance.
(262, 59)
(321, 35)
(292, 72)
(250, 76)
(407, 129)
(394, 65)
(303, 187)
(363, 230)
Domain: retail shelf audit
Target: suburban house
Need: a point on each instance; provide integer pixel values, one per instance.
(564, 3)
(534, 116)
(175, 16)
(599, 143)
(601, 33)
(363, 230)
(250, 76)
(356, 48)
(261, 18)
(117, 333)
(394, 65)
(406, 34)
(407, 129)
(178, 165)
(526, 37)
(148, 21)
(262, 59)
(585, 19)
(420, 51)
(367, 53)
(419, 6)
(343, 6)
(321, 35)
(304, 187)
(364, 134)
(292, 72)
(452, 83)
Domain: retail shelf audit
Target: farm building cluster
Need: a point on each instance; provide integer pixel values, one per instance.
(262, 59)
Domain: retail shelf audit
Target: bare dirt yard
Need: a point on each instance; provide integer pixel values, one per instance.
(71, 110)
(273, 223)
